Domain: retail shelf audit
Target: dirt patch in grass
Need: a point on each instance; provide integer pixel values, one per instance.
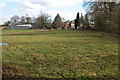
(10, 72)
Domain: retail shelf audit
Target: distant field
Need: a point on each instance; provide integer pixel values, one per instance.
(59, 54)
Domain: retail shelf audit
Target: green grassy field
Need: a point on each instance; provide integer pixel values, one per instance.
(59, 54)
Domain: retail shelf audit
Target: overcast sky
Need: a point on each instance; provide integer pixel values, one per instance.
(66, 8)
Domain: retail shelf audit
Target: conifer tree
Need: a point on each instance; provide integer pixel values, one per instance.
(77, 21)
(82, 21)
(57, 23)
(86, 21)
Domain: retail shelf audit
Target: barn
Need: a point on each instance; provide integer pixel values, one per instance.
(21, 26)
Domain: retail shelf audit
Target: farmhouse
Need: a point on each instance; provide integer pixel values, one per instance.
(72, 24)
(20, 26)
(69, 24)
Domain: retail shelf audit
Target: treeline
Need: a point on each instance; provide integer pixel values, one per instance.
(105, 15)
(41, 21)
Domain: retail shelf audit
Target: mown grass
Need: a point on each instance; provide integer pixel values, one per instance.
(60, 54)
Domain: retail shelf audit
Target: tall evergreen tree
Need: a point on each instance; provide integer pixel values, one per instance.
(86, 21)
(77, 21)
(57, 23)
(82, 21)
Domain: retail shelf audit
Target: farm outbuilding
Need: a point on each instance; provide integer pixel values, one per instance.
(22, 26)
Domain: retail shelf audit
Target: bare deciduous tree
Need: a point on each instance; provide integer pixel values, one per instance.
(22, 19)
(105, 15)
(43, 20)
(15, 18)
